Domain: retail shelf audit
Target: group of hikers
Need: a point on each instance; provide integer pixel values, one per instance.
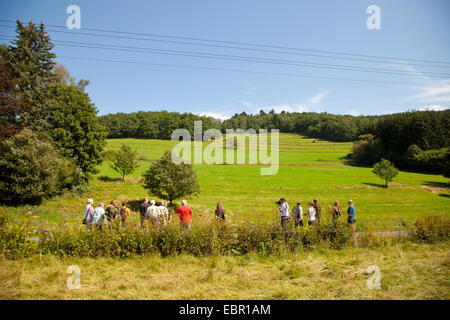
(314, 213)
(113, 216)
(158, 216)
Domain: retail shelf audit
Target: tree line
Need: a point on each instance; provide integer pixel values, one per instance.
(417, 140)
(153, 124)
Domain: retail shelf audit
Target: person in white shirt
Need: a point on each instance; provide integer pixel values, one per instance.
(311, 213)
(164, 213)
(153, 214)
(284, 212)
(99, 215)
(88, 211)
(297, 211)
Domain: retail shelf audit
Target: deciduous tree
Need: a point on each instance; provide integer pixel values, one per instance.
(125, 160)
(385, 170)
(171, 181)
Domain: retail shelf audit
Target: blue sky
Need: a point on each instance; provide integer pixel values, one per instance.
(410, 29)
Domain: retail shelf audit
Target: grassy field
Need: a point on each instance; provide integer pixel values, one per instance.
(408, 271)
(308, 169)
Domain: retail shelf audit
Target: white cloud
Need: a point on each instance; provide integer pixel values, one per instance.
(436, 92)
(217, 115)
(280, 108)
(354, 113)
(301, 108)
(437, 99)
(318, 98)
(252, 107)
(410, 69)
(433, 108)
(313, 103)
(286, 108)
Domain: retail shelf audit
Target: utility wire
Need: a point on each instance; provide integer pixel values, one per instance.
(247, 44)
(231, 70)
(243, 58)
(236, 70)
(238, 48)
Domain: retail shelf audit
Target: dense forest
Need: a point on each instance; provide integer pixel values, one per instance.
(153, 125)
(414, 140)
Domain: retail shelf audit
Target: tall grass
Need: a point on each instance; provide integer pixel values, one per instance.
(18, 240)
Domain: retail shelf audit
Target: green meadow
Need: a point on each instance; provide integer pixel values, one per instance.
(308, 169)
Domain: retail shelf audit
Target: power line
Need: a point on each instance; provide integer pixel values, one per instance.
(247, 44)
(231, 70)
(236, 47)
(236, 70)
(243, 58)
(247, 58)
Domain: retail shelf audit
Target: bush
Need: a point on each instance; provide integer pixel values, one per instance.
(432, 229)
(31, 169)
(367, 150)
(31, 237)
(435, 160)
(27, 238)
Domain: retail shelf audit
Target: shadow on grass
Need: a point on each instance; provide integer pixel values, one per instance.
(436, 184)
(108, 179)
(18, 204)
(445, 195)
(134, 204)
(377, 185)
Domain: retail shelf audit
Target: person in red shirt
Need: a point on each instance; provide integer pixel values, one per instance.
(185, 215)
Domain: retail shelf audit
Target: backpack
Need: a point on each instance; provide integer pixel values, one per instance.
(111, 212)
(124, 213)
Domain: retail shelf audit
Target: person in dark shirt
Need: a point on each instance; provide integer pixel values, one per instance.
(318, 209)
(143, 211)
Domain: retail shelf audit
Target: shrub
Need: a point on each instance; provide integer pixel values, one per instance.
(30, 237)
(30, 169)
(435, 160)
(367, 150)
(432, 229)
